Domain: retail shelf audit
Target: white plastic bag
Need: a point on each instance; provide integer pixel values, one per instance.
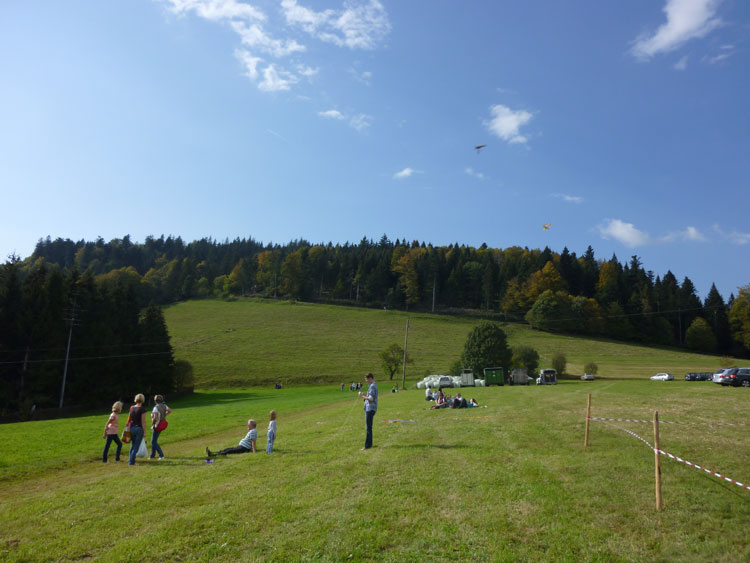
(142, 451)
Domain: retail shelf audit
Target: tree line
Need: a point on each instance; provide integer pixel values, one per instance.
(552, 291)
(115, 347)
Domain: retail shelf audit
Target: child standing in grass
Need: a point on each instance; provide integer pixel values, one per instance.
(111, 430)
(247, 444)
(271, 431)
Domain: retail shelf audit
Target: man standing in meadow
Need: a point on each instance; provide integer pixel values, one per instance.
(371, 407)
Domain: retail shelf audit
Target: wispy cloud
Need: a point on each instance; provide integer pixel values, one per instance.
(688, 234)
(478, 175)
(506, 123)
(364, 77)
(713, 59)
(405, 173)
(332, 114)
(569, 198)
(630, 236)
(276, 80)
(359, 24)
(361, 122)
(734, 236)
(686, 20)
(681, 64)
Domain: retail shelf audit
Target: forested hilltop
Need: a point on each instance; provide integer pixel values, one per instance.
(552, 291)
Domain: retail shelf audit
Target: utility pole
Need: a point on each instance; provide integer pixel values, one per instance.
(406, 343)
(434, 283)
(72, 322)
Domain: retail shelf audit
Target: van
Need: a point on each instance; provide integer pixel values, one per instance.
(547, 377)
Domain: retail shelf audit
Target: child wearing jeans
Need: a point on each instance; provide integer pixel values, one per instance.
(110, 432)
(247, 444)
(271, 431)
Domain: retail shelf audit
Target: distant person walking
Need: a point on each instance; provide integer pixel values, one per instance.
(371, 407)
(271, 434)
(111, 430)
(158, 425)
(137, 424)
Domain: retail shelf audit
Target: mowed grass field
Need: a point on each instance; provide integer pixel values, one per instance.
(252, 342)
(505, 482)
(511, 481)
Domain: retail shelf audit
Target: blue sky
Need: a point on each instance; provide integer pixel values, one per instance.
(623, 124)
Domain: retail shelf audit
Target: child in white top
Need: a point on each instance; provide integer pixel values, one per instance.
(271, 431)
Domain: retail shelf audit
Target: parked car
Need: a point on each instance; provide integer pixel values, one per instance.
(587, 377)
(662, 377)
(699, 376)
(723, 377)
(741, 377)
(445, 381)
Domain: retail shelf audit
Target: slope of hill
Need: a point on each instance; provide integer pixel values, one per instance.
(254, 342)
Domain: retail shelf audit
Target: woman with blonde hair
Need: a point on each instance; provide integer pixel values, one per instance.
(137, 425)
(110, 432)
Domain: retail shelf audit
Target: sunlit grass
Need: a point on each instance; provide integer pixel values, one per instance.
(508, 482)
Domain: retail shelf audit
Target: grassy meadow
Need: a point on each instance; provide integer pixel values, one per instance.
(250, 342)
(511, 481)
(505, 482)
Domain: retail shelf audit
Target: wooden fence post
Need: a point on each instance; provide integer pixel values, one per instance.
(588, 419)
(657, 461)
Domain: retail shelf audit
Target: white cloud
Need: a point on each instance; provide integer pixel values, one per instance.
(405, 173)
(689, 234)
(249, 62)
(569, 198)
(218, 10)
(357, 26)
(686, 20)
(307, 71)
(331, 114)
(626, 233)
(361, 122)
(733, 236)
(254, 36)
(276, 80)
(717, 58)
(506, 123)
(471, 172)
(630, 236)
(365, 77)
(681, 64)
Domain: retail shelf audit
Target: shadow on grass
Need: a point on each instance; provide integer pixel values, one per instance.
(199, 399)
(427, 446)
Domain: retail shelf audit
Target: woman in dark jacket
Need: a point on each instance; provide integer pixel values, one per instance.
(137, 425)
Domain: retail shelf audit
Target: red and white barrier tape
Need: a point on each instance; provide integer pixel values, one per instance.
(674, 457)
(719, 475)
(631, 433)
(600, 419)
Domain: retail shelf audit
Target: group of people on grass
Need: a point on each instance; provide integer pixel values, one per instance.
(135, 430)
(445, 401)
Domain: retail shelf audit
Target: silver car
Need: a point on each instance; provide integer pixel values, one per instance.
(722, 376)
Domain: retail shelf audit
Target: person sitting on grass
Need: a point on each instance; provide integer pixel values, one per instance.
(247, 444)
(440, 402)
(472, 403)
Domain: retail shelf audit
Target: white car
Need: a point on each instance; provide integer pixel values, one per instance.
(662, 377)
(587, 377)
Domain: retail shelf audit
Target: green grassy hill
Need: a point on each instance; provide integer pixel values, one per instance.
(254, 342)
